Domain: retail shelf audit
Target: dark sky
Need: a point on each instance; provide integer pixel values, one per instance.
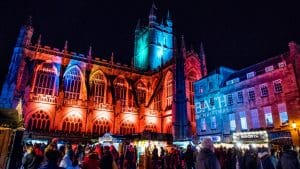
(234, 34)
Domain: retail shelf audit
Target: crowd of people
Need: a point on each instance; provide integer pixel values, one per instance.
(98, 156)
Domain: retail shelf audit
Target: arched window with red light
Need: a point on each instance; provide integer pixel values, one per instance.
(150, 127)
(72, 123)
(39, 121)
(120, 87)
(101, 126)
(191, 78)
(72, 83)
(45, 79)
(169, 90)
(127, 127)
(98, 86)
(141, 93)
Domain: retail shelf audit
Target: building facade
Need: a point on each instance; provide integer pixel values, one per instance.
(264, 96)
(63, 91)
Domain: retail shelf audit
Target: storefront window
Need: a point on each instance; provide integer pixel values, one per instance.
(268, 116)
(232, 121)
(243, 120)
(284, 120)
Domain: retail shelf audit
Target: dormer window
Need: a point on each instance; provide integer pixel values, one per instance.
(250, 75)
(269, 68)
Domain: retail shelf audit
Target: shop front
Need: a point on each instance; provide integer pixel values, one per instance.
(253, 138)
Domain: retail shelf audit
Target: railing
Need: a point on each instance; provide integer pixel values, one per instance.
(43, 98)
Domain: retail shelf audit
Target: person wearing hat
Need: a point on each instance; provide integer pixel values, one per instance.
(265, 161)
(207, 159)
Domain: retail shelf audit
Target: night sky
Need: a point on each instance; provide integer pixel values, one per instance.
(234, 34)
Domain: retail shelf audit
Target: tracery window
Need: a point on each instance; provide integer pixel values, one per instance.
(150, 127)
(120, 90)
(39, 121)
(72, 84)
(141, 93)
(127, 127)
(101, 126)
(72, 123)
(98, 87)
(169, 91)
(169, 129)
(45, 80)
(157, 102)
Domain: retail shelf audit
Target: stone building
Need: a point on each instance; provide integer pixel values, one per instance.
(67, 92)
(264, 96)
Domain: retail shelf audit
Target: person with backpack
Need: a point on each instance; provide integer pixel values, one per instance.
(207, 159)
(264, 161)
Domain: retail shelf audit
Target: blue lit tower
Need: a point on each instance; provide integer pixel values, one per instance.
(153, 45)
(180, 122)
(14, 85)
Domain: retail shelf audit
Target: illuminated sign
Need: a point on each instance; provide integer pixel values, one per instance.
(215, 139)
(256, 136)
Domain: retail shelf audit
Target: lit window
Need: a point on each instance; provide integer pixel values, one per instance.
(232, 122)
(251, 94)
(202, 105)
(264, 90)
(229, 99)
(213, 122)
(269, 68)
(120, 90)
(39, 121)
(127, 127)
(157, 101)
(243, 121)
(284, 119)
(268, 116)
(212, 101)
(277, 86)
(281, 64)
(250, 75)
(45, 80)
(150, 127)
(72, 84)
(240, 97)
(72, 123)
(101, 126)
(203, 124)
(141, 93)
(169, 91)
(255, 118)
(98, 87)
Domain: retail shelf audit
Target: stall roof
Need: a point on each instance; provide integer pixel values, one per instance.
(9, 118)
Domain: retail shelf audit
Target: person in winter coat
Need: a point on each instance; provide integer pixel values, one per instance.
(265, 161)
(289, 159)
(189, 158)
(107, 159)
(250, 159)
(206, 159)
(29, 161)
(66, 161)
(52, 157)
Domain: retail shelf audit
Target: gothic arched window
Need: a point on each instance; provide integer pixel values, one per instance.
(127, 127)
(72, 123)
(39, 121)
(72, 84)
(101, 126)
(141, 93)
(120, 90)
(98, 87)
(169, 91)
(191, 78)
(45, 80)
(150, 127)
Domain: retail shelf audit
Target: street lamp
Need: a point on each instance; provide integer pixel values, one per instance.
(294, 126)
